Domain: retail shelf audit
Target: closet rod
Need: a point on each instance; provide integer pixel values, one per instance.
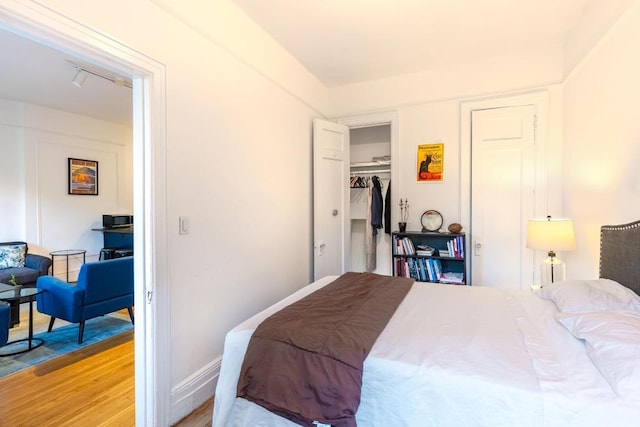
(354, 173)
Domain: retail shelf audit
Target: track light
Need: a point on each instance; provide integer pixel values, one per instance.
(83, 71)
(80, 77)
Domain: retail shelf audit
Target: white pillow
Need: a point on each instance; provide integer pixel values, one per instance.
(613, 344)
(580, 296)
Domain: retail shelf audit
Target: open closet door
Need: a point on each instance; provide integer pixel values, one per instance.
(331, 224)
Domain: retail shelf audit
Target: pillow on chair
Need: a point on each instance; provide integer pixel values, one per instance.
(12, 256)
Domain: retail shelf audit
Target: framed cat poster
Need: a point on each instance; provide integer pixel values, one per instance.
(430, 163)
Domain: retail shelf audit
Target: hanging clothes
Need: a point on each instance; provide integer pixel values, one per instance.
(369, 237)
(387, 210)
(376, 205)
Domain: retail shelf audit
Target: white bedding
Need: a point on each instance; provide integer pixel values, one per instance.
(456, 356)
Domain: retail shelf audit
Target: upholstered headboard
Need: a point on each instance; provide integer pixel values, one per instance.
(620, 254)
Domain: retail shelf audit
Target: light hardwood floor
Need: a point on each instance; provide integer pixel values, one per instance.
(93, 386)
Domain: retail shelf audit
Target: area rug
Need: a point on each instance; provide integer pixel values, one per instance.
(64, 340)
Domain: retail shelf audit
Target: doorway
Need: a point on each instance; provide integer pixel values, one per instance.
(370, 160)
(503, 142)
(43, 25)
(341, 191)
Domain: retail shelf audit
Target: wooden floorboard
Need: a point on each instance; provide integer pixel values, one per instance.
(201, 417)
(93, 386)
(85, 387)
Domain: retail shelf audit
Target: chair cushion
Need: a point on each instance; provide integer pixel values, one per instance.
(24, 276)
(12, 256)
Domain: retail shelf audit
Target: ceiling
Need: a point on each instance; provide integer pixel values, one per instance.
(346, 41)
(33, 73)
(339, 41)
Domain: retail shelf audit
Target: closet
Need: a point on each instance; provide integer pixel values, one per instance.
(370, 155)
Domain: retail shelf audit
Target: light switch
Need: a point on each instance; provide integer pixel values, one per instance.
(184, 225)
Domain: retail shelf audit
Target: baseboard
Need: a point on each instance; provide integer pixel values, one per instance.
(194, 391)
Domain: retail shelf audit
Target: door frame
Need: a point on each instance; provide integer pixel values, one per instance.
(546, 165)
(378, 119)
(152, 351)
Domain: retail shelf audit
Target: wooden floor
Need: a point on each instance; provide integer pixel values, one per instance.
(90, 387)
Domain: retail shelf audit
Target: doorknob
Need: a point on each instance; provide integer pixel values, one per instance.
(334, 212)
(477, 247)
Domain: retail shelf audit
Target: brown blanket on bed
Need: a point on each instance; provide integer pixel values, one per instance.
(305, 361)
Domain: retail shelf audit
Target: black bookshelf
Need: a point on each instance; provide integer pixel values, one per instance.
(446, 264)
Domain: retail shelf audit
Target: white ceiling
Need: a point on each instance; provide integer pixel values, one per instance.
(346, 41)
(339, 41)
(33, 73)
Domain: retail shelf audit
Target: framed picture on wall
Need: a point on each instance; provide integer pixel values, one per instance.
(83, 177)
(430, 163)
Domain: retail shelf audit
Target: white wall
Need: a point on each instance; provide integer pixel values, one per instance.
(36, 145)
(239, 115)
(429, 103)
(433, 122)
(12, 177)
(525, 71)
(594, 22)
(602, 141)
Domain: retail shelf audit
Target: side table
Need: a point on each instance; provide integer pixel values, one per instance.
(32, 343)
(66, 253)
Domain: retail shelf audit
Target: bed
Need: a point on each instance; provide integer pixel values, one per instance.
(568, 355)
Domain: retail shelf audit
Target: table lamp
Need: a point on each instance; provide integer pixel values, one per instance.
(551, 235)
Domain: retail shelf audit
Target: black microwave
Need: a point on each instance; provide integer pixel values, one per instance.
(112, 221)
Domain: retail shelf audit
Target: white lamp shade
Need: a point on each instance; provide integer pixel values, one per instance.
(551, 235)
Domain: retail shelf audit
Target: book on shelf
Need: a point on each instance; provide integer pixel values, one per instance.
(455, 247)
(404, 246)
(412, 269)
(437, 266)
(432, 271)
(410, 249)
(422, 269)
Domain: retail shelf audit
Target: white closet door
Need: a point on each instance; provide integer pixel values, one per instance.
(331, 199)
(502, 195)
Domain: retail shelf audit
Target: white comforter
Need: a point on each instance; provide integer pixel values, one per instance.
(456, 356)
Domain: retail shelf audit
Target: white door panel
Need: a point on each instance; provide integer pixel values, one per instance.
(502, 195)
(331, 223)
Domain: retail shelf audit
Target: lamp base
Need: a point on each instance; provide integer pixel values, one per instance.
(553, 270)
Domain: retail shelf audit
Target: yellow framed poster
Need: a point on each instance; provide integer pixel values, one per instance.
(430, 163)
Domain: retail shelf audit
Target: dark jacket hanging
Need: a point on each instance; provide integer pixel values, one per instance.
(387, 210)
(376, 205)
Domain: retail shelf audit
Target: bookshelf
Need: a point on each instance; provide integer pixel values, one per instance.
(445, 263)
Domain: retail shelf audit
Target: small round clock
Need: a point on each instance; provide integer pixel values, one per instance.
(431, 221)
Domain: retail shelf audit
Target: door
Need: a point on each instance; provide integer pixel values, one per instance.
(331, 224)
(502, 195)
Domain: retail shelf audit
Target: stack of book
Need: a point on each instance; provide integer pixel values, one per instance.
(452, 278)
(403, 246)
(422, 269)
(424, 250)
(455, 247)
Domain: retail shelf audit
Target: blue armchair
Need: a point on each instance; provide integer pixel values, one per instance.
(4, 322)
(102, 288)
